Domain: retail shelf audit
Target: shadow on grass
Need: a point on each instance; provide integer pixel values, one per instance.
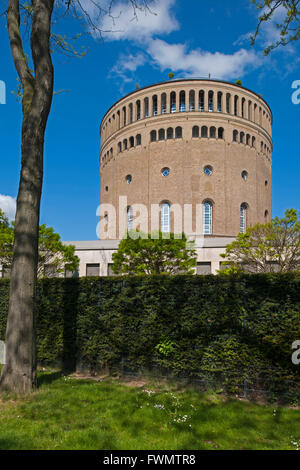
(46, 378)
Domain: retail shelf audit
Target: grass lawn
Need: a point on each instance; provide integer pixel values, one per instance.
(67, 413)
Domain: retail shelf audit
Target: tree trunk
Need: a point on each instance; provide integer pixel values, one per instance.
(19, 373)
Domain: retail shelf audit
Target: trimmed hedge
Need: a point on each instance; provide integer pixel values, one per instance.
(236, 328)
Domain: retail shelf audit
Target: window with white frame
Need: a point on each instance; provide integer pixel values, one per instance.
(165, 217)
(129, 218)
(243, 217)
(207, 217)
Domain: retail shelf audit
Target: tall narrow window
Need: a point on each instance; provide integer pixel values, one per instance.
(154, 105)
(235, 135)
(204, 132)
(173, 102)
(138, 139)
(161, 134)
(138, 110)
(178, 132)
(152, 136)
(228, 103)
(192, 100)
(130, 113)
(195, 131)
(182, 101)
(124, 116)
(170, 133)
(163, 103)
(220, 133)
(129, 218)
(243, 217)
(210, 101)
(146, 107)
(220, 101)
(236, 99)
(207, 217)
(212, 132)
(201, 100)
(165, 217)
(243, 107)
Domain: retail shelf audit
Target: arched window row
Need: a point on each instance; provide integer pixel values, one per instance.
(166, 134)
(129, 143)
(107, 156)
(187, 101)
(243, 138)
(265, 150)
(208, 132)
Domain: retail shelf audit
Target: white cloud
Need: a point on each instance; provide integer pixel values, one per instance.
(125, 23)
(8, 205)
(200, 63)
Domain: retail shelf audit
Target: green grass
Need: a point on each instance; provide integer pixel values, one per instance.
(67, 413)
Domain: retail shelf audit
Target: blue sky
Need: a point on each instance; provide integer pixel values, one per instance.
(191, 38)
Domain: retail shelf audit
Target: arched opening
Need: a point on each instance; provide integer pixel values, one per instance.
(192, 100)
(182, 101)
(138, 110)
(201, 100)
(154, 105)
(173, 102)
(178, 132)
(207, 217)
(146, 107)
(243, 217)
(220, 94)
(243, 107)
(138, 139)
(163, 103)
(161, 134)
(195, 131)
(152, 136)
(235, 135)
(210, 101)
(236, 100)
(228, 103)
(131, 142)
(204, 132)
(170, 133)
(212, 132)
(242, 137)
(125, 144)
(220, 133)
(119, 147)
(130, 113)
(129, 218)
(165, 216)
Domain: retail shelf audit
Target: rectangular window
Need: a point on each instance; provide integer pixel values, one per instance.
(93, 269)
(204, 268)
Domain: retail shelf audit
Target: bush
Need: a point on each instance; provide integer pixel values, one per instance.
(234, 326)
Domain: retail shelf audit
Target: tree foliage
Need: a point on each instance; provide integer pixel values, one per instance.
(288, 28)
(141, 253)
(52, 252)
(33, 32)
(264, 248)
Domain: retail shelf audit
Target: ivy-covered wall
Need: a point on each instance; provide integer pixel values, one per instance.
(234, 327)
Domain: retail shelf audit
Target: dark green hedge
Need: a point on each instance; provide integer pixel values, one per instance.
(236, 328)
